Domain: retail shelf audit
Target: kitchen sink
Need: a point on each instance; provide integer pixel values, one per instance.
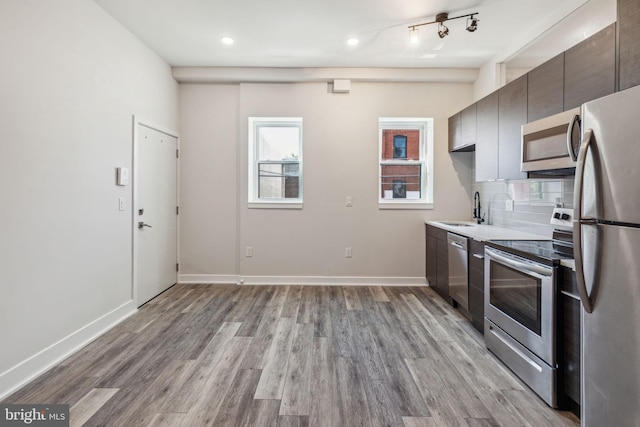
(457, 224)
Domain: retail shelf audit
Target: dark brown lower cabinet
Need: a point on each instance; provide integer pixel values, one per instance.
(431, 264)
(569, 342)
(437, 262)
(476, 284)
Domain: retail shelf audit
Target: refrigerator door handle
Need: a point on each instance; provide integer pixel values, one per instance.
(578, 221)
(575, 120)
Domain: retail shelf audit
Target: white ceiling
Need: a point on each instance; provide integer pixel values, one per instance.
(313, 33)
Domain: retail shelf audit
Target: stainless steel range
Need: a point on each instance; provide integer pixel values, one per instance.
(521, 289)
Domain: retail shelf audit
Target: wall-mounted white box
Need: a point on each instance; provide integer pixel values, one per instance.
(341, 85)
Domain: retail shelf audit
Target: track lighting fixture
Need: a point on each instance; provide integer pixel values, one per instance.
(443, 30)
(413, 35)
(472, 24)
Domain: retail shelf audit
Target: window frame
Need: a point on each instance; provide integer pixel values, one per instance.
(254, 200)
(425, 127)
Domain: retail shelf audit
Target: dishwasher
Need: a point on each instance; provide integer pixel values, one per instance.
(458, 271)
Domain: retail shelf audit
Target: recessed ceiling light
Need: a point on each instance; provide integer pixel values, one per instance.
(353, 41)
(226, 40)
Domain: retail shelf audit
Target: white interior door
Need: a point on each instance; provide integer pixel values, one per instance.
(155, 218)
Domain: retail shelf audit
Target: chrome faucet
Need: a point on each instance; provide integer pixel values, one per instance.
(477, 209)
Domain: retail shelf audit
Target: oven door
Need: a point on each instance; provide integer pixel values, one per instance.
(520, 300)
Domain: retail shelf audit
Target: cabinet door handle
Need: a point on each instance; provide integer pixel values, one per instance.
(478, 256)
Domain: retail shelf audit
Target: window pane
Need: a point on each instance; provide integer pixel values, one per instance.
(400, 144)
(279, 180)
(401, 182)
(278, 143)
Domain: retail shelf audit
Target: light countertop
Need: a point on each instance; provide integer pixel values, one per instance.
(485, 232)
(569, 263)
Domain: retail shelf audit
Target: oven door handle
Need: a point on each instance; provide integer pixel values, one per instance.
(521, 266)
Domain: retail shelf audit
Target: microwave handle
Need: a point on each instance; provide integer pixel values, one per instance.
(574, 120)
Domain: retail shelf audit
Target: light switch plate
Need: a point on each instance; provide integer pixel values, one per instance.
(122, 176)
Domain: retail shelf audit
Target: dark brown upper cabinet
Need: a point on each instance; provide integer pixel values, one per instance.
(468, 126)
(590, 68)
(454, 131)
(487, 138)
(462, 130)
(545, 95)
(629, 43)
(512, 114)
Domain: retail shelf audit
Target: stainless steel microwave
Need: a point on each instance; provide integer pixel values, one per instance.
(550, 145)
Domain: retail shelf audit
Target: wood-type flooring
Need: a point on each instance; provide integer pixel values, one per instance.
(227, 355)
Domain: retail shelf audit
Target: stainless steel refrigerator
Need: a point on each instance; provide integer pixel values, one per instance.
(607, 252)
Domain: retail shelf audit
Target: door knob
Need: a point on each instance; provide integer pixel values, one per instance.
(142, 225)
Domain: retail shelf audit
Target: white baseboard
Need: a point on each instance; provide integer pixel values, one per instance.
(215, 279)
(27, 370)
(303, 280)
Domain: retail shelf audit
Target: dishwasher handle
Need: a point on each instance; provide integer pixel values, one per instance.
(457, 241)
(457, 245)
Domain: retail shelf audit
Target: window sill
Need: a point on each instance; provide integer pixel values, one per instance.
(405, 205)
(275, 205)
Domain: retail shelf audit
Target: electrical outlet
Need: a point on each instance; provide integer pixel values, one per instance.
(121, 204)
(248, 252)
(347, 253)
(349, 202)
(508, 205)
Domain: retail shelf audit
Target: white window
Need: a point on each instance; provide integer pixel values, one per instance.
(405, 176)
(275, 162)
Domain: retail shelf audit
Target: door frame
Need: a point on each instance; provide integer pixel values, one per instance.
(137, 121)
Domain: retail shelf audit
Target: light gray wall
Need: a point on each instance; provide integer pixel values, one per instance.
(70, 81)
(340, 160)
(208, 178)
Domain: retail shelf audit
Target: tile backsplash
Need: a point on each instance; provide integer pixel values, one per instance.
(533, 202)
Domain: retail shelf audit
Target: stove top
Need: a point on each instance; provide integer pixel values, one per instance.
(543, 251)
(549, 252)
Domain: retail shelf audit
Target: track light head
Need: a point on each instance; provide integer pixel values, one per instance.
(442, 30)
(414, 36)
(472, 24)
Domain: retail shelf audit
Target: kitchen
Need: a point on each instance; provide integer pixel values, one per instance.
(204, 256)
